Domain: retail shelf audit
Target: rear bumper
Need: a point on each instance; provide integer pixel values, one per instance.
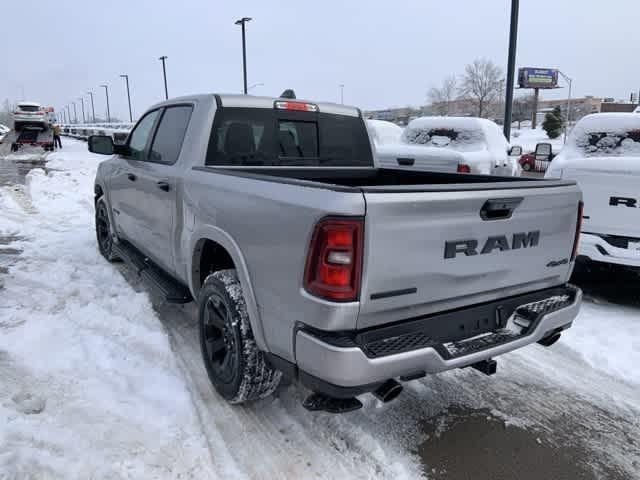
(352, 361)
(599, 250)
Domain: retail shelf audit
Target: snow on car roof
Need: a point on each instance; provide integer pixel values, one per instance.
(29, 104)
(492, 131)
(384, 132)
(609, 122)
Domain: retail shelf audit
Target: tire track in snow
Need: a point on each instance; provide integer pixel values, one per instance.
(276, 437)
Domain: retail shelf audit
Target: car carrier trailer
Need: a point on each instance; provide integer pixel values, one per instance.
(30, 136)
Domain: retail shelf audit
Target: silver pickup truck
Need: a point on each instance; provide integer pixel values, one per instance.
(306, 260)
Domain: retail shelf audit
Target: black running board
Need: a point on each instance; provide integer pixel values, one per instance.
(165, 286)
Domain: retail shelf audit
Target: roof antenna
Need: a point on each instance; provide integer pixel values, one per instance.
(288, 93)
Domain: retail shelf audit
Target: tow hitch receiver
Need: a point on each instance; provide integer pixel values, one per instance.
(488, 367)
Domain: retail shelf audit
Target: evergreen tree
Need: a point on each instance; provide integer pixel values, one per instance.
(553, 123)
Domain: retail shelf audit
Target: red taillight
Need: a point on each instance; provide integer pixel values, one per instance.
(300, 106)
(463, 168)
(334, 261)
(576, 239)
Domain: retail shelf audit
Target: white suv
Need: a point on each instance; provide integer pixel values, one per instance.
(30, 114)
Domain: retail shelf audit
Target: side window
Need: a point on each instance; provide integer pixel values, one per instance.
(170, 134)
(140, 136)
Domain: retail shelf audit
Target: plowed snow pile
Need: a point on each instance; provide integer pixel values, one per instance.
(90, 387)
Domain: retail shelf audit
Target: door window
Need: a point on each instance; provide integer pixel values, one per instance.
(140, 136)
(170, 134)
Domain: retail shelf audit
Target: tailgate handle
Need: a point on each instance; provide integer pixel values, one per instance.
(406, 161)
(499, 208)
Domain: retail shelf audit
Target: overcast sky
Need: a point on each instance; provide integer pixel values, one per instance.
(387, 53)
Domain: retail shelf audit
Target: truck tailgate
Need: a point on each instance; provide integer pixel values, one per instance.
(428, 251)
(611, 199)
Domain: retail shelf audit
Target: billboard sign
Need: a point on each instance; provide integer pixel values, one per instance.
(537, 77)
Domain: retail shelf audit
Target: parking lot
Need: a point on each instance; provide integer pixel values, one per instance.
(568, 411)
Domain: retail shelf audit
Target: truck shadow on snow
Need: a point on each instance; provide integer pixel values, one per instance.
(608, 283)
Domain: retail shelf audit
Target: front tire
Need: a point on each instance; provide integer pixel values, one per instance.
(236, 367)
(103, 231)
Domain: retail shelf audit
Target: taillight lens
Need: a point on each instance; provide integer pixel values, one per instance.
(463, 168)
(576, 239)
(334, 260)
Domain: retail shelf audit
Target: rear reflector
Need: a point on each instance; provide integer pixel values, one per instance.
(576, 239)
(299, 106)
(334, 260)
(462, 168)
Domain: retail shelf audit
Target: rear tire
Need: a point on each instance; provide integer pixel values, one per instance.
(236, 367)
(103, 231)
(17, 126)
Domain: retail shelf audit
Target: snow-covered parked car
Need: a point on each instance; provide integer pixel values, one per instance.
(30, 114)
(480, 141)
(603, 155)
(391, 152)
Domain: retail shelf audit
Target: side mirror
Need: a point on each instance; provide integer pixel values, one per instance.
(101, 144)
(515, 151)
(543, 151)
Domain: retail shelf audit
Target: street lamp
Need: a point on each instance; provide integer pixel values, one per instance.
(341, 93)
(84, 120)
(126, 77)
(164, 73)
(93, 110)
(75, 113)
(568, 119)
(242, 22)
(511, 67)
(106, 92)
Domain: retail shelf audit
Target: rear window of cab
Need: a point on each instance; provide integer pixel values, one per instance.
(265, 137)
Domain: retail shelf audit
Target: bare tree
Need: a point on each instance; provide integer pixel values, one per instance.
(482, 84)
(523, 108)
(442, 97)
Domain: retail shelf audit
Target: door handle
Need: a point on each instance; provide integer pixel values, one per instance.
(132, 177)
(406, 161)
(164, 186)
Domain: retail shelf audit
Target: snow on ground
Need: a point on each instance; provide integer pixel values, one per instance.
(90, 387)
(99, 384)
(528, 138)
(614, 350)
(93, 389)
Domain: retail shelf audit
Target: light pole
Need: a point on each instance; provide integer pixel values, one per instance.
(93, 110)
(568, 119)
(106, 92)
(164, 73)
(84, 120)
(242, 23)
(341, 93)
(75, 113)
(126, 77)
(511, 67)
